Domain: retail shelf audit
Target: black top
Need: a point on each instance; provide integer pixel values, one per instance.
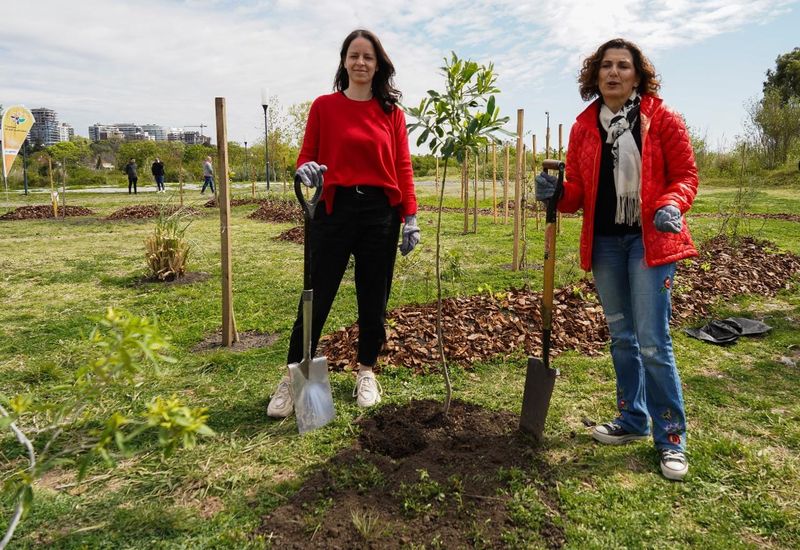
(605, 209)
(157, 168)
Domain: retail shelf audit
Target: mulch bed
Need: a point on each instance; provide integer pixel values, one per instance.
(753, 215)
(466, 455)
(41, 211)
(212, 203)
(478, 328)
(147, 211)
(278, 211)
(293, 235)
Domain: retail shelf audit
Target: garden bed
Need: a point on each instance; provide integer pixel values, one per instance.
(42, 211)
(278, 211)
(147, 211)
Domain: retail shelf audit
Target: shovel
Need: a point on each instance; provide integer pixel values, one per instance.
(540, 378)
(311, 386)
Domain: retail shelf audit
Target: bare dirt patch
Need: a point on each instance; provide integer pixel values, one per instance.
(424, 479)
(186, 279)
(42, 211)
(249, 339)
(477, 328)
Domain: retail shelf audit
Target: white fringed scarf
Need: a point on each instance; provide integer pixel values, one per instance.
(627, 159)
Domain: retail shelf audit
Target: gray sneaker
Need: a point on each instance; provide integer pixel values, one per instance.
(612, 433)
(368, 390)
(674, 464)
(281, 404)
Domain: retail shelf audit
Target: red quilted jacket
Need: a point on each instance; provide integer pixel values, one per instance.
(669, 177)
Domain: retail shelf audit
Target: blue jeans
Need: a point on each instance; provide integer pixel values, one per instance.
(208, 181)
(637, 305)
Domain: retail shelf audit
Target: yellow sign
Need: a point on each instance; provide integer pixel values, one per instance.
(14, 128)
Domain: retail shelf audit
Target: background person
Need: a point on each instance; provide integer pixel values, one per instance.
(630, 166)
(133, 176)
(208, 175)
(358, 134)
(158, 174)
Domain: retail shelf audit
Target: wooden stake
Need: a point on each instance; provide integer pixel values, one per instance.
(64, 190)
(494, 183)
(180, 180)
(533, 168)
(517, 189)
(483, 169)
(53, 194)
(465, 190)
(229, 335)
(505, 184)
(475, 196)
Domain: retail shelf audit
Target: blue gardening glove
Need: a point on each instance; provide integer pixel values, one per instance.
(668, 219)
(410, 235)
(310, 174)
(545, 186)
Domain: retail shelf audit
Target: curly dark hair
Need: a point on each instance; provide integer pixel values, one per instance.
(648, 84)
(383, 81)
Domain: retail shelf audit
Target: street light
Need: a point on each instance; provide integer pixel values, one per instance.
(265, 105)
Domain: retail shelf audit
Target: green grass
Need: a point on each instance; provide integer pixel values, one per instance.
(57, 276)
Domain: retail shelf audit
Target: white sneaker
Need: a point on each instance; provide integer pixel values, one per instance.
(368, 390)
(281, 404)
(673, 464)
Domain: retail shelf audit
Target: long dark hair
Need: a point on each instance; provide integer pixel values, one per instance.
(383, 81)
(648, 79)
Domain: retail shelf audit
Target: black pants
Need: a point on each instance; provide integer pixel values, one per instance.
(364, 225)
(132, 180)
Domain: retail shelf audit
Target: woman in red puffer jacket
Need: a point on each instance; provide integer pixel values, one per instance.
(630, 166)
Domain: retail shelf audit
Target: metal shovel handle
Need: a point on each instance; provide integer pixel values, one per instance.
(550, 258)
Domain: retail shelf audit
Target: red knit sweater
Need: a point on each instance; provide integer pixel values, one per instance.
(361, 145)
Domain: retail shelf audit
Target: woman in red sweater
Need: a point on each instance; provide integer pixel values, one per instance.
(631, 168)
(357, 137)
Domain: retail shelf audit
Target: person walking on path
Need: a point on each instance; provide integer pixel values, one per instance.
(133, 176)
(158, 174)
(208, 175)
(357, 137)
(630, 167)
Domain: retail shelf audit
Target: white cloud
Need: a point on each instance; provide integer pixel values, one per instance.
(164, 62)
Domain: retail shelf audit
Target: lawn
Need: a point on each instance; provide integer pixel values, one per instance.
(58, 276)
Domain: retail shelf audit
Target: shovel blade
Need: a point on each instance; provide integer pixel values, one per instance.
(539, 383)
(313, 398)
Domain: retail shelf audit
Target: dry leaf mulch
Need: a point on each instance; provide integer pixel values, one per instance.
(477, 328)
(278, 211)
(293, 235)
(753, 215)
(212, 203)
(146, 211)
(41, 211)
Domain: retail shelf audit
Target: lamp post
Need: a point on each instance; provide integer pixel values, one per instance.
(246, 171)
(265, 105)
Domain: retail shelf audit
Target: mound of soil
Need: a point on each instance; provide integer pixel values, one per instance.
(422, 479)
(41, 211)
(293, 235)
(147, 211)
(278, 211)
(755, 215)
(477, 328)
(212, 203)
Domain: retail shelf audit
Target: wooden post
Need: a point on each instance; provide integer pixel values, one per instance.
(53, 193)
(483, 169)
(533, 168)
(523, 208)
(64, 190)
(494, 183)
(505, 184)
(475, 195)
(465, 190)
(229, 335)
(180, 180)
(560, 154)
(517, 189)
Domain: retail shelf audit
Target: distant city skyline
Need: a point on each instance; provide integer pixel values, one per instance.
(712, 56)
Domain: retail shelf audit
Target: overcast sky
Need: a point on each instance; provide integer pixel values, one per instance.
(163, 62)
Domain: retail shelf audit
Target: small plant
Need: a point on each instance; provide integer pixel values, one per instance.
(74, 428)
(315, 515)
(361, 476)
(419, 498)
(167, 249)
(453, 269)
(366, 523)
